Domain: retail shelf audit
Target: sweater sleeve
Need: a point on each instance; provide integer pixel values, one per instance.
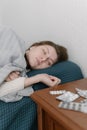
(12, 50)
(12, 86)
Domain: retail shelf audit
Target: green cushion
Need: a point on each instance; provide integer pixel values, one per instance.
(67, 71)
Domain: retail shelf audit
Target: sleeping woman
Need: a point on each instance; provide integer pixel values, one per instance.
(16, 58)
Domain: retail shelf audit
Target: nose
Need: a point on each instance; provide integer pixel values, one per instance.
(44, 58)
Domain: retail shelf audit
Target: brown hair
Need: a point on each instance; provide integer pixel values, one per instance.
(60, 50)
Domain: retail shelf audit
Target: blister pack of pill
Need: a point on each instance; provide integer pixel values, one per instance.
(84, 101)
(82, 93)
(67, 97)
(73, 106)
(55, 92)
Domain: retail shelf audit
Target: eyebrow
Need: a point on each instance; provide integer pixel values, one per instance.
(50, 58)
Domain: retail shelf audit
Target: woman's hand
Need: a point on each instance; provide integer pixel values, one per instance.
(13, 75)
(49, 80)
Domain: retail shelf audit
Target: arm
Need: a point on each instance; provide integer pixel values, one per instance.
(13, 75)
(44, 78)
(22, 82)
(12, 86)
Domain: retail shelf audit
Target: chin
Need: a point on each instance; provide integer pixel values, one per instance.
(33, 67)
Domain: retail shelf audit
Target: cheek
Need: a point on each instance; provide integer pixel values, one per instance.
(32, 55)
(35, 54)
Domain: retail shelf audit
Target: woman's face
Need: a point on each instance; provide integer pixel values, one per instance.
(41, 56)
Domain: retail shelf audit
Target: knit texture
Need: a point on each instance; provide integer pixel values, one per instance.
(12, 49)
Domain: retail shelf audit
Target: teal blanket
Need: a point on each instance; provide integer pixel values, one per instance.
(20, 115)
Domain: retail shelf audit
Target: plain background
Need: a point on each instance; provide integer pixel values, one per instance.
(61, 21)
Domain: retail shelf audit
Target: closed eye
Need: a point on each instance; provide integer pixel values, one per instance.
(44, 51)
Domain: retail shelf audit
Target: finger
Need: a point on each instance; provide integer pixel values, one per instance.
(59, 81)
(8, 79)
(53, 78)
(13, 76)
(17, 72)
(55, 82)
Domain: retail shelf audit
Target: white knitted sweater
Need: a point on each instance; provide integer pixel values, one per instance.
(12, 50)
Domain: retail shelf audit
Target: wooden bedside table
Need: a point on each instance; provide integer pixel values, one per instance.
(50, 117)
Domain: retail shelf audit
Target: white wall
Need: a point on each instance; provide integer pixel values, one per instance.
(62, 21)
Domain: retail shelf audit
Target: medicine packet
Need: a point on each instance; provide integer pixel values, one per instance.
(82, 93)
(73, 106)
(55, 92)
(67, 97)
(84, 101)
